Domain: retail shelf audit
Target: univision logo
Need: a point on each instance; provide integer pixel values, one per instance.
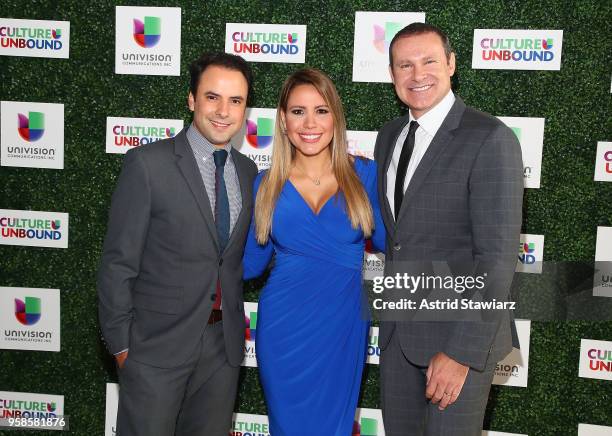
(384, 35)
(251, 326)
(28, 312)
(260, 133)
(506, 370)
(148, 33)
(519, 133)
(365, 427)
(32, 127)
(525, 253)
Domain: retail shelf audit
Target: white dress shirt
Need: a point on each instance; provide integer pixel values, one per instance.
(429, 123)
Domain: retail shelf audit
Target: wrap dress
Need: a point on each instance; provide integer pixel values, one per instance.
(312, 321)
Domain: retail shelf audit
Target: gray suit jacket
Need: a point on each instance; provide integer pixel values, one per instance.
(463, 202)
(161, 261)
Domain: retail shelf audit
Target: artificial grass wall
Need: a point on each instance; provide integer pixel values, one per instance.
(567, 208)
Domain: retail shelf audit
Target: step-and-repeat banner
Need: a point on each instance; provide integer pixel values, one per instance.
(148, 42)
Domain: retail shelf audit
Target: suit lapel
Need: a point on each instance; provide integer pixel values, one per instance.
(439, 142)
(190, 171)
(242, 173)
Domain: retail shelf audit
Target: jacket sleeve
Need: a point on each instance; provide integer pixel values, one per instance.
(123, 246)
(495, 204)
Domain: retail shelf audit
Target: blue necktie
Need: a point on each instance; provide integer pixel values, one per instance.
(222, 211)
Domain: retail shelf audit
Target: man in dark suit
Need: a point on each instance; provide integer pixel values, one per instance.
(450, 183)
(170, 279)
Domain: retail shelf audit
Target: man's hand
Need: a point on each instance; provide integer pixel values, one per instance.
(445, 378)
(120, 358)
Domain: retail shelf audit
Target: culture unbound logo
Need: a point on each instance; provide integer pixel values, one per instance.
(608, 161)
(27, 312)
(530, 254)
(595, 359)
(30, 228)
(33, 228)
(27, 409)
(260, 132)
(517, 49)
(31, 127)
(38, 38)
(603, 162)
(265, 42)
(600, 359)
(123, 133)
(134, 135)
(147, 33)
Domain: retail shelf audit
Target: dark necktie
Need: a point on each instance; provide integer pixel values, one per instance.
(402, 167)
(222, 211)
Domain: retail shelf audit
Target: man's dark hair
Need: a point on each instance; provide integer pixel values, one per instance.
(419, 29)
(219, 59)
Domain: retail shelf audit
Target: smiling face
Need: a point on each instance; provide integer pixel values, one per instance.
(308, 120)
(421, 72)
(219, 106)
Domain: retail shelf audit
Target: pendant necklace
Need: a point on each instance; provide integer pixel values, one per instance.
(315, 180)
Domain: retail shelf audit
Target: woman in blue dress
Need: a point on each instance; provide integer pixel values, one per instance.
(314, 209)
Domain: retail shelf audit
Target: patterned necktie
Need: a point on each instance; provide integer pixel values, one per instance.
(402, 167)
(222, 211)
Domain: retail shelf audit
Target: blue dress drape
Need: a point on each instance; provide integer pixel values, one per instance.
(312, 321)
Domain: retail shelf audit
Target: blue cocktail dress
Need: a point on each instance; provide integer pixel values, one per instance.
(312, 322)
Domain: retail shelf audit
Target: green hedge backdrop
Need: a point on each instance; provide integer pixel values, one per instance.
(566, 209)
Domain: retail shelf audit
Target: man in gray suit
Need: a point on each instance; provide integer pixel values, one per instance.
(170, 279)
(450, 183)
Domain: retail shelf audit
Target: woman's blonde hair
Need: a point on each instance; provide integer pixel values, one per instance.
(358, 206)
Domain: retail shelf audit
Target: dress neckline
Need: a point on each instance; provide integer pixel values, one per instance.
(317, 213)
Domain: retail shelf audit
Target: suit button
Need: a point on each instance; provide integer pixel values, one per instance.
(397, 247)
(220, 262)
(213, 297)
